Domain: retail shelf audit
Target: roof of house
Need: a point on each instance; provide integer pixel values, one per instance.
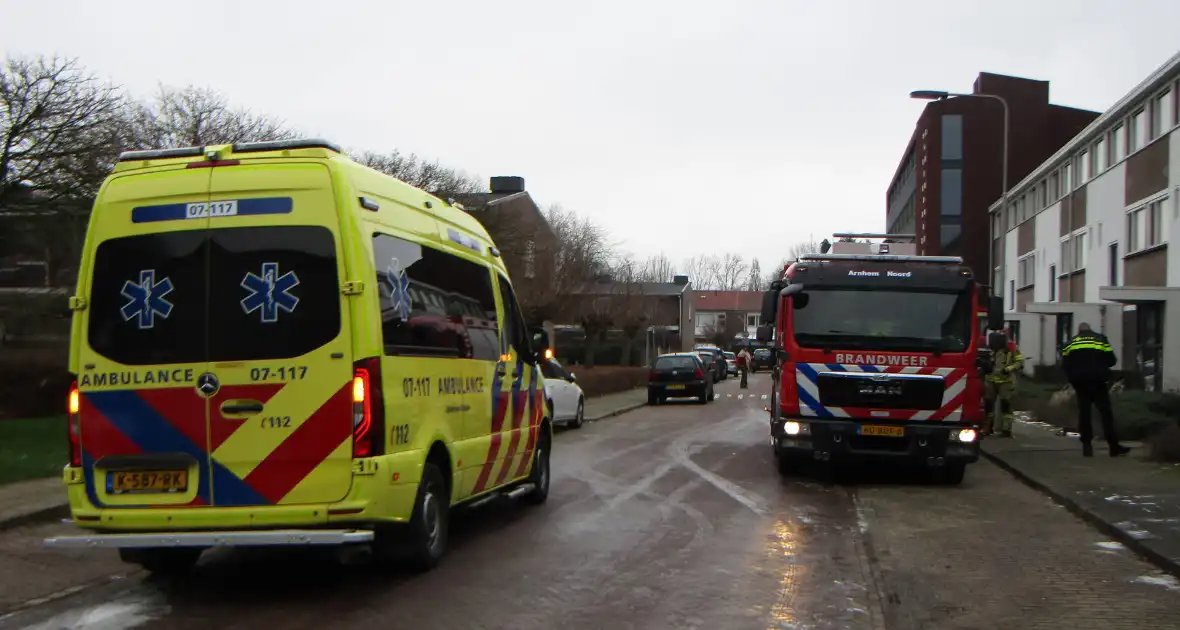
(748, 301)
(620, 288)
(475, 203)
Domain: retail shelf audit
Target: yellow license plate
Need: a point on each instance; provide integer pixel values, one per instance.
(876, 429)
(148, 481)
(676, 386)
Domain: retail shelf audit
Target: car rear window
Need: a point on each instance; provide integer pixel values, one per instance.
(675, 363)
(214, 295)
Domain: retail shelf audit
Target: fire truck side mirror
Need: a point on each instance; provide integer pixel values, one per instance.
(770, 306)
(765, 333)
(995, 312)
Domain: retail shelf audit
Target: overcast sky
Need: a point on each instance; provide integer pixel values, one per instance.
(680, 126)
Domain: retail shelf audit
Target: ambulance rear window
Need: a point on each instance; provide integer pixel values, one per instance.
(219, 295)
(147, 298)
(274, 292)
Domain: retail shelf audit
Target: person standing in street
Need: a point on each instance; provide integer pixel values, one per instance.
(743, 360)
(1087, 360)
(1000, 382)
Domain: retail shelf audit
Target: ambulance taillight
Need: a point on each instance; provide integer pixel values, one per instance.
(73, 424)
(368, 409)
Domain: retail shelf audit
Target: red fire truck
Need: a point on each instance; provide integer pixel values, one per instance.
(876, 356)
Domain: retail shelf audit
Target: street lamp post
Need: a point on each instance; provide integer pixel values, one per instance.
(936, 95)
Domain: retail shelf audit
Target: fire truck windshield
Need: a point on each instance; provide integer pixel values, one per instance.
(884, 320)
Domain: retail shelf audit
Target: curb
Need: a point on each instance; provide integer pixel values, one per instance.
(43, 515)
(618, 412)
(1161, 561)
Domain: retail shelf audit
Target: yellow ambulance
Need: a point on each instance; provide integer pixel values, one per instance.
(274, 345)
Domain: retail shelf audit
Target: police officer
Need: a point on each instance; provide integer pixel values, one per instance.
(1000, 381)
(1087, 360)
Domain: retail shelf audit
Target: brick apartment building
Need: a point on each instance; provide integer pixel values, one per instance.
(726, 314)
(951, 170)
(526, 241)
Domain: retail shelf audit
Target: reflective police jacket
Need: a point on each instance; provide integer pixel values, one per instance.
(1088, 357)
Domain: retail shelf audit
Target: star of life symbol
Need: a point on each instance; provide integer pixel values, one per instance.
(270, 292)
(146, 300)
(399, 288)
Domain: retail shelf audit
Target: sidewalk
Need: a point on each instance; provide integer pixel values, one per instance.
(30, 501)
(1134, 501)
(609, 405)
(25, 502)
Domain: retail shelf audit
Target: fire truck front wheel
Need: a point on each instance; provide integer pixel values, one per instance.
(951, 474)
(788, 465)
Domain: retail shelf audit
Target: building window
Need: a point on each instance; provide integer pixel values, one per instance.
(1065, 178)
(1145, 226)
(1084, 164)
(1054, 188)
(1099, 156)
(1044, 197)
(1026, 269)
(952, 137)
(1011, 295)
(1073, 252)
(530, 259)
(1160, 110)
(951, 203)
(752, 320)
(1137, 131)
(1114, 265)
(1118, 144)
(1052, 283)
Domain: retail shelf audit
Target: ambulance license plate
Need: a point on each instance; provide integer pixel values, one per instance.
(676, 386)
(876, 429)
(147, 481)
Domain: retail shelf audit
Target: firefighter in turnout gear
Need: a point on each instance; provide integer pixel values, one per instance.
(1000, 382)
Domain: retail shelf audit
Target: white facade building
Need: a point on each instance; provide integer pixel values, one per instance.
(1085, 238)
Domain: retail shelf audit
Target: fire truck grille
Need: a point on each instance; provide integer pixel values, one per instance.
(880, 391)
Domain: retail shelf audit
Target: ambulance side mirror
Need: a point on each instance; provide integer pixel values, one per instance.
(542, 345)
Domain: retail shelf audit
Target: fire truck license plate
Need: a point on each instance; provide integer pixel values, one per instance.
(876, 429)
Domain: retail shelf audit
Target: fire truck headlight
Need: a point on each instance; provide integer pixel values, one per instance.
(794, 428)
(967, 436)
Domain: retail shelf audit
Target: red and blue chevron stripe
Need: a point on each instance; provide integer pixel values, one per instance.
(173, 421)
(807, 387)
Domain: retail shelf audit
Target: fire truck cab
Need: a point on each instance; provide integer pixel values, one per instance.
(876, 357)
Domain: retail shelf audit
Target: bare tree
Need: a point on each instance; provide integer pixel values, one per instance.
(433, 177)
(754, 279)
(59, 133)
(732, 273)
(658, 268)
(704, 271)
(193, 116)
(630, 313)
(802, 247)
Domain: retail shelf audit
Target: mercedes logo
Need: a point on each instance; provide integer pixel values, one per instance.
(208, 384)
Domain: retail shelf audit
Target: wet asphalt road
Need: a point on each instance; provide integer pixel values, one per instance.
(666, 517)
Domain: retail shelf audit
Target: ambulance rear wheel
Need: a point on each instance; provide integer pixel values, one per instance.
(165, 561)
(427, 539)
(539, 477)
